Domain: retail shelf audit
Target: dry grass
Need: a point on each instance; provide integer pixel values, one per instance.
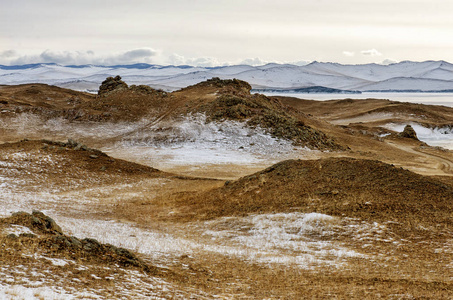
(385, 232)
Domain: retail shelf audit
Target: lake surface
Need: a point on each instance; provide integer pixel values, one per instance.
(445, 99)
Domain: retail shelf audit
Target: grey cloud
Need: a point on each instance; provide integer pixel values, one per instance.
(8, 54)
(138, 54)
(371, 52)
(176, 60)
(65, 57)
(141, 55)
(388, 61)
(253, 61)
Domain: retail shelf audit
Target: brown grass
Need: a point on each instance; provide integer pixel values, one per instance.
(410, 259)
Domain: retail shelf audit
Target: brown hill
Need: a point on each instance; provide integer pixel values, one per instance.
(44, 100)
(41, 164)
(218, 99)
(367, 189)
(234, 102)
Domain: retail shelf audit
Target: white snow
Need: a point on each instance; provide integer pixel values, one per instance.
(19, 292)
(301, 239)
(191, 141)
(16, 229)
(428, 75)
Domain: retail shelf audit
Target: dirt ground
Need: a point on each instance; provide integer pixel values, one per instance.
(370, 221)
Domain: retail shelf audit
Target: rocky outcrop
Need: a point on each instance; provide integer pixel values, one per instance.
(49, 238)
(409, 133)
(111, 84)
(37, 222)
(268, 113)
(234, 86)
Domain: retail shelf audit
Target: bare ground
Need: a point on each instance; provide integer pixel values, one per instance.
(352, 228)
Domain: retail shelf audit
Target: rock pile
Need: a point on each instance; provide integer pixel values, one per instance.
(111, 84)
(37, 222)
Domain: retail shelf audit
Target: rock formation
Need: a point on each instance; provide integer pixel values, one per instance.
(111, 84)
(409, 133)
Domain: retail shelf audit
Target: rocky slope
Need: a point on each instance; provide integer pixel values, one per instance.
(219, 99)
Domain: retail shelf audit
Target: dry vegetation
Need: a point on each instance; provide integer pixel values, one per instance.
(370, 220)
(369, 190)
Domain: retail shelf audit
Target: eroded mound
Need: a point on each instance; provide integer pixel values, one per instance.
(373, 111)
(367, 189)
(45, 237)
(220, 100)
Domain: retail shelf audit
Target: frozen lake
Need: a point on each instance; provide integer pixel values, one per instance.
(442, 137)
(445, 99)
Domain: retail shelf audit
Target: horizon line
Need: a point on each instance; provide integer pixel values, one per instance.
(217, 66)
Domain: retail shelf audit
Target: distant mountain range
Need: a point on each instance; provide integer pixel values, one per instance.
(316, 77)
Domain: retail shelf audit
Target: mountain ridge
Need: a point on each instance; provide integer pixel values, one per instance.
(405, 75)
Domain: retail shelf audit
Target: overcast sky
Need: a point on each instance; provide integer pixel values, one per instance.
(217, 32)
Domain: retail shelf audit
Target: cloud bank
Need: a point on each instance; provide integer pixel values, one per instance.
(146, 55)
(141, 55)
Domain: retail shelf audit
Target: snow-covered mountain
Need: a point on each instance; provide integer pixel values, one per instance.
(403, 76)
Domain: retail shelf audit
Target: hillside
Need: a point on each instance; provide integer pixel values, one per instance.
(219, 100)
(365, 189)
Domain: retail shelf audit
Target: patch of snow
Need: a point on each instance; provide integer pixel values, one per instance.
(57, 261)
(285, 237)
(18, 292)
(192, 141)
(16, 229)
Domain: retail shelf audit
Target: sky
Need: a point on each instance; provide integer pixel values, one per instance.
(224, 32)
